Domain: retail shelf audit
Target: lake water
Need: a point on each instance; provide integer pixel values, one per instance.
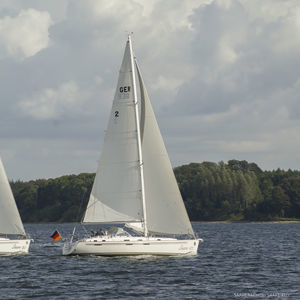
(235, 261)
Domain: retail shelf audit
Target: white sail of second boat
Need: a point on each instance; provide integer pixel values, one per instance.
(10, 220)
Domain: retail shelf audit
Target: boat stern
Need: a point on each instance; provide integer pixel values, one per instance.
(14, 247)
(69, 248)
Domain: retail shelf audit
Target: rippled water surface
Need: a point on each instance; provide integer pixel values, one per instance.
(235, 261)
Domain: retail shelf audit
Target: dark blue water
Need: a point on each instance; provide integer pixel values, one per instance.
(236, 261)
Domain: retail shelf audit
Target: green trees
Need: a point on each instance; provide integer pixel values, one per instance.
(218, 191)
(54, 200)
(236, 190)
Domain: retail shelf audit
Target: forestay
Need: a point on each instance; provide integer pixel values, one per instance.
(10, 221)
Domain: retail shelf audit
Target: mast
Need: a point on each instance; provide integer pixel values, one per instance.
(141, 168)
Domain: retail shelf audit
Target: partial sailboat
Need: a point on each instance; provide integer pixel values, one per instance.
(135, 184)
(11, 225)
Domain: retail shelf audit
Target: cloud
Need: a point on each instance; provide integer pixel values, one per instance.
(48, 158)
(222, 75)
(243, 53)
(244, 146)
(51, 104)
(243, 95)
(25, 34)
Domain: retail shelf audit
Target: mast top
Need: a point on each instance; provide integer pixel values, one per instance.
(129, 35)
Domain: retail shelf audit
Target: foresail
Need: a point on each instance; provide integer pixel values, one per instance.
(10, 220)
(165, 209)
(116, 193)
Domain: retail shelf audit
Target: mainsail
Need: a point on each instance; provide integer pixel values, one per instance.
(165, 209)
(10, 221)
(116, 195)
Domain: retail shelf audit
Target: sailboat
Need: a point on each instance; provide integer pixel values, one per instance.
(135, 185)
(11, 225)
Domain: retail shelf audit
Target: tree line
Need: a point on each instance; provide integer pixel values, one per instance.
(236, 190)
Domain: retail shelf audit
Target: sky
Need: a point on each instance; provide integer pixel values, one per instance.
(223, 77)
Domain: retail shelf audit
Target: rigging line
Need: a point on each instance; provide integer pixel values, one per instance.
(80, 207)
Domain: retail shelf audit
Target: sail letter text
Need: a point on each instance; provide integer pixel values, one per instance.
(124, 89)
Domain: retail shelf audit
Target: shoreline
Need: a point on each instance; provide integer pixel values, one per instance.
(248, 222)
(193, 222)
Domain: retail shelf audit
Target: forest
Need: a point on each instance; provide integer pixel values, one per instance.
(232, 191)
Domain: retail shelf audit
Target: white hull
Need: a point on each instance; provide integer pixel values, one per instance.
(115, 246)
(14, 247)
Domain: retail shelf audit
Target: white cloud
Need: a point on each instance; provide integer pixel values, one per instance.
(244, 146)
(48, 158)
(162, 28)
(51, 104)
(227, 53)
(222, 75)
(26, 34)
(170, 84)
(176, 12)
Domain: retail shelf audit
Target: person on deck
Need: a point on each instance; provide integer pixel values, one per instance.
(101, 232)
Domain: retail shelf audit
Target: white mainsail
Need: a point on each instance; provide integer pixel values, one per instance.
(10, 220)
(165, 209)
(116, 195)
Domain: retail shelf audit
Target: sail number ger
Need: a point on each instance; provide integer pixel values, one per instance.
(124, 89)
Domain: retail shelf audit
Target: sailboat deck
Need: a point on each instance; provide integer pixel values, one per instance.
(126, 239)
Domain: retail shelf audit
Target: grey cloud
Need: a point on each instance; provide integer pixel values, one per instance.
(223, 77)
